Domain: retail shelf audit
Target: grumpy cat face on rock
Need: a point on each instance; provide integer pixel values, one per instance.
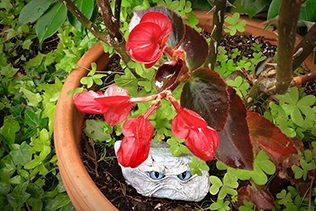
(163, 175)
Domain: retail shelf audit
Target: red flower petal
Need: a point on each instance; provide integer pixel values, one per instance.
(118, 108)
(131, 153)
(138, 127)
(142, 43)
(184, 121)
(85, 102)
(135, 145)
(202, 142)
(115, 91)
(161, 20)
(201, 139)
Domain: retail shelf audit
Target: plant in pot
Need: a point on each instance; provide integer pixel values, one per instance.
(211, 117)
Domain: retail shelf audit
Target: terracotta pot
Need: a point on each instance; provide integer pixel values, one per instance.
(253, 26)
(82, 191)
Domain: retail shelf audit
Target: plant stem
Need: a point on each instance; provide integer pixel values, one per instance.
(265, 86)
(117, 40)
(288, 18)
(117, 11)
(218, 21)
(109, 20)
(85, 21)
(305, 47)
(114, 38)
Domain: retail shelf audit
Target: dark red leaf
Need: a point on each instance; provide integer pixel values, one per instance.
(195, 46)
(206, 94)
(267, 136)
(177, 31)
(260, 196)
(234, 75)
(167, 73)
(235, 148)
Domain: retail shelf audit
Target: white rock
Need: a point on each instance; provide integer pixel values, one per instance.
(163, 175)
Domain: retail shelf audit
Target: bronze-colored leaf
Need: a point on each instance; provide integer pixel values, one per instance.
(206, 94)
(195, 46)
(259, 195)
(235, 148)
(268, 137)
(167, 74)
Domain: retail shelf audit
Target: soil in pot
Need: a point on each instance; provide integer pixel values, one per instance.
(102, 165)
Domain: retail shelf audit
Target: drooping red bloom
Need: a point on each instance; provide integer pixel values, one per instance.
(201, 139)
(114, 104)
(146, 41)
(135, 145)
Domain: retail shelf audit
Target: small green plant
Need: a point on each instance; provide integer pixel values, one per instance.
(92, 77)
(220, 205)
(235, 26)
(240, 84)
(306, 165)
(197, 165)
(294, 113)
(226, 186)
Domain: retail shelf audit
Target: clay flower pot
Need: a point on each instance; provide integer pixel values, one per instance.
(83, 193)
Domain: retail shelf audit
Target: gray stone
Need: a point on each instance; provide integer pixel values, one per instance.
(163, 175)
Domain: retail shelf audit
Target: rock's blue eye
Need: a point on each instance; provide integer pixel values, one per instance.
(155, 175)
(185, 175)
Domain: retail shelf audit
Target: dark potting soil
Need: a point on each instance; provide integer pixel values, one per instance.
(106, 173)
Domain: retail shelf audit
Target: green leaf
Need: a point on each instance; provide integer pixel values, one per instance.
(86, 7)
(60, 200)
(4, 188)
(8, 71)
(274, 9)
(8, 130)
(297, 117)
(94, 130)
(31, 119)
(308, 100)
(19, 193)
(33, 10)
(49, 23)
(22, 154)
(36, 204)
(32, 99)
(33, 163)
(216, 184)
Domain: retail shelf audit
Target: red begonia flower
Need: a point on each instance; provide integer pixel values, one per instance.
(85, 102)
(201, 139)
(135, 145)
(114, 104)
(146, 41)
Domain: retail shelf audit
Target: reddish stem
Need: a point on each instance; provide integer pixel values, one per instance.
(173, 100)
(298, 80)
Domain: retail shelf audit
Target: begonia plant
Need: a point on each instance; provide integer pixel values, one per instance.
(211, 116)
